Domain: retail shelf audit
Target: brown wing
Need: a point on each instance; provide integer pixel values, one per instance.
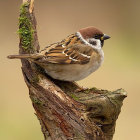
(69, 51)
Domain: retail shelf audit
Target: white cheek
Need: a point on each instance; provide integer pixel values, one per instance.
(86, 41)
(98, 43)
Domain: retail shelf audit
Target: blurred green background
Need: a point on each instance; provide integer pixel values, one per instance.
(57, 19)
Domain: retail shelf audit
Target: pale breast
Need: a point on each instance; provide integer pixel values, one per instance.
(75, 72)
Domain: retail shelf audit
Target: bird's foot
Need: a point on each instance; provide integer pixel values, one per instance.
(80, 89)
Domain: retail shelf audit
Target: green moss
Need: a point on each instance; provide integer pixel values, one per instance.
(95, 90)
(25, 29)
(35, 79)
(36, 101)
(74, 97)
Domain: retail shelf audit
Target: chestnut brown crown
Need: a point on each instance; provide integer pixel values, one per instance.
(90, 32)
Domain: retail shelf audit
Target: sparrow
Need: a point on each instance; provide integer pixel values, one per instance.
(72, 59)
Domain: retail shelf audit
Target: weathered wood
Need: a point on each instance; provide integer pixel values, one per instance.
(65, 114)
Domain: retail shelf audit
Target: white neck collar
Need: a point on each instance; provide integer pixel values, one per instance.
(87, 43)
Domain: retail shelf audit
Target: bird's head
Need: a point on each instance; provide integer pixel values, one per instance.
(93, 36)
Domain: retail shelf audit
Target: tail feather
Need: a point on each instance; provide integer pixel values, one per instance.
(25, 56)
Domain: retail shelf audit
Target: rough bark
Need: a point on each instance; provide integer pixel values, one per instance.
(65, 114)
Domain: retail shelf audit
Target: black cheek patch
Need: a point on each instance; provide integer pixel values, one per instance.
(93, 42)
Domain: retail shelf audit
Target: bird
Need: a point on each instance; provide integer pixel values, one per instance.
(72, 59)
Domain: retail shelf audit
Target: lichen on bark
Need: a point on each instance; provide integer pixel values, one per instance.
(25, 28)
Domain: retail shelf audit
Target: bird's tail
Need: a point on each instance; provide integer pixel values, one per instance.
(25, 56)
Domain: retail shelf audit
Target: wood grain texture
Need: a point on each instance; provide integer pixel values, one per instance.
(65, 114)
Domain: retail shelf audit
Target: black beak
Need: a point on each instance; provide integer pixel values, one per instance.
(105, 37)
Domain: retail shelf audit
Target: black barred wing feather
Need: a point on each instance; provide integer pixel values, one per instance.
(71, 50)
(74, 54)
(79, 53)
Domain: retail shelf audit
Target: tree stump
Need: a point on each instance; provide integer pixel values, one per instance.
(64, 113)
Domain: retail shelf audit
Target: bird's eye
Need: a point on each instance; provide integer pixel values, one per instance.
(96, 36)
